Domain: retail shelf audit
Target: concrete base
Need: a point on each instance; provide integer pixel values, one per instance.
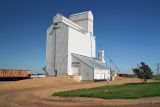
(77, 78)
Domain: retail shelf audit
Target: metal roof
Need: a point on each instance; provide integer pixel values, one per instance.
(86, 12)
(60, 18)
(90, 61)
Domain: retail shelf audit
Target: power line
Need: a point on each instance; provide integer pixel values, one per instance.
(158, 69)
(112, 62)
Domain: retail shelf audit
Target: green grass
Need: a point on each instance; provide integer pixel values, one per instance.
(126, 91)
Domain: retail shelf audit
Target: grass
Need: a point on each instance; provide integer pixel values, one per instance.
(126, 91)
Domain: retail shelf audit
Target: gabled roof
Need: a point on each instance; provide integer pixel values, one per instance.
(90, 61)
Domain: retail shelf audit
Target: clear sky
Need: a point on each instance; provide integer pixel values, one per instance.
(128, 30)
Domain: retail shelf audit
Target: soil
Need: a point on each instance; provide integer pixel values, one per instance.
(38, 93)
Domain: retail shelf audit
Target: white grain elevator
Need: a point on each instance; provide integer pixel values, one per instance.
(71, 48)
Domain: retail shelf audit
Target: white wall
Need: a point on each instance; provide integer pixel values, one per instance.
(101, 74)
(79, 43)
(75, 66)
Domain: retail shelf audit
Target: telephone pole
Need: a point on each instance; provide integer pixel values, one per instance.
(110, 65)
(158, 69)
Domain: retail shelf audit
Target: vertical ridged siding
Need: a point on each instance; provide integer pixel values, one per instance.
(50, 50)
(61, 48)
(86, 72)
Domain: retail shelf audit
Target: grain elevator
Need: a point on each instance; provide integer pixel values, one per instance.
(71, 48)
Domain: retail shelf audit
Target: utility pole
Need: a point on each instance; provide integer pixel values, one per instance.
(158, 69)
(110, 70)
(110, 64)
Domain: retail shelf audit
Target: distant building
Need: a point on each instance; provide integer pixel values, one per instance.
(123, 75)
(38, 76)
(71, 48)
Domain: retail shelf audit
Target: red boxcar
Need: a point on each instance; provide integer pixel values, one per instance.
(13, 73)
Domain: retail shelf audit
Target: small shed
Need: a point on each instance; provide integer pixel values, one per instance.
(88, 68)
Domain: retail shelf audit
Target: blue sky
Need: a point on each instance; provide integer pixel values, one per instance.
(128, 30)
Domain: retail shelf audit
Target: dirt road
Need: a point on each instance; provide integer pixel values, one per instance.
(37, 93)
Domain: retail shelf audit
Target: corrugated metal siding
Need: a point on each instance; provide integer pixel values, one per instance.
(61, 41)
(62, 50)
(86, 72)
(50, 50)
(90, 69)
(85, 20)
